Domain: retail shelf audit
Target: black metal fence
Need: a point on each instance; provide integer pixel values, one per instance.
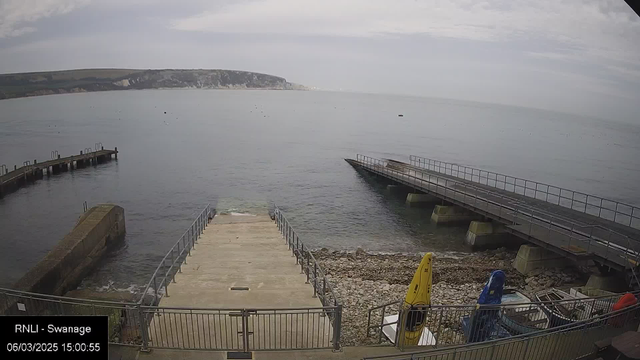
(448, 325)
(242, 329)
(567, 342)
(192, 328)
(594, 205)
(125, 319)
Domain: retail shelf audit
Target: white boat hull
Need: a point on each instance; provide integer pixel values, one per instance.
(390, 326)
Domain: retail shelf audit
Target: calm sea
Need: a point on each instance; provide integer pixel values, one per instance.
(241, 149)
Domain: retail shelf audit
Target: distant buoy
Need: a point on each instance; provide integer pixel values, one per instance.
(165, 112)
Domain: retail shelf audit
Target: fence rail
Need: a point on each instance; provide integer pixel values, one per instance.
(192, 328)
(308, 264)
(171, 263)
(242, 329)
(125, 319)
(572, 237)
(567, 342)
(450, 325)
(615, 211)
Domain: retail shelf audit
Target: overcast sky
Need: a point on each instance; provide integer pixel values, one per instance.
(577, 56)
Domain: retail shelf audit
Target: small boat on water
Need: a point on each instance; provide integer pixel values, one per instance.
(522, 317)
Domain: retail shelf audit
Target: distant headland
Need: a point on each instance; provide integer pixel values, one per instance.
(85, 80)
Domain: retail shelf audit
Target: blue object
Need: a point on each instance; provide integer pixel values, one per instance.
(483, 322)
(492, 291)
(498, 332)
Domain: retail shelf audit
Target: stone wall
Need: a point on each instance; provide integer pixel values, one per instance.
(64, 267)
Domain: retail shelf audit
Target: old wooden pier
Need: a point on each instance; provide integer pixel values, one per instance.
(12, 180)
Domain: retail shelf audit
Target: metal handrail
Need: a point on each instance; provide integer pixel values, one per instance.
(455, 170)
(311, 267)
(515, 209)
(188, 241)
(494, 306)
(601, 320)
(565, 302)
(56, 298)
(574, 224)
(236, 309)
(141, 325)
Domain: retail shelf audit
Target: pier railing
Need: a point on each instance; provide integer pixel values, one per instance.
(566, 342)
(192, 328)
(615, 211)
(450, 325)
(563, 233)
(242, 329)
(171, 263)
(309, 266)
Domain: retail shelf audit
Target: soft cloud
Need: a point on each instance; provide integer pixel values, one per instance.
(571, 55)
(15, 13)
(598, 30)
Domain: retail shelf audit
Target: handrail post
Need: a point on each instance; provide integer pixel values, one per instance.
(173, 276)
(143, 329)
(337, 327)
(315, 279)
(245, 330)
(302, 260)
(308, 266)
(155, 290)
(324, 289)
(166, 287)
(400, 327)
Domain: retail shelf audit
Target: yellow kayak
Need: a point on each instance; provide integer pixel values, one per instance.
(418, 295)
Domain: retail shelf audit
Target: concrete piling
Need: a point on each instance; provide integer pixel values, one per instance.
(415, 199)
(486, 235)
(531, 257)
(452, 214)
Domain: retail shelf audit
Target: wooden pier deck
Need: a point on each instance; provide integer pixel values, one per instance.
(30, 172)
